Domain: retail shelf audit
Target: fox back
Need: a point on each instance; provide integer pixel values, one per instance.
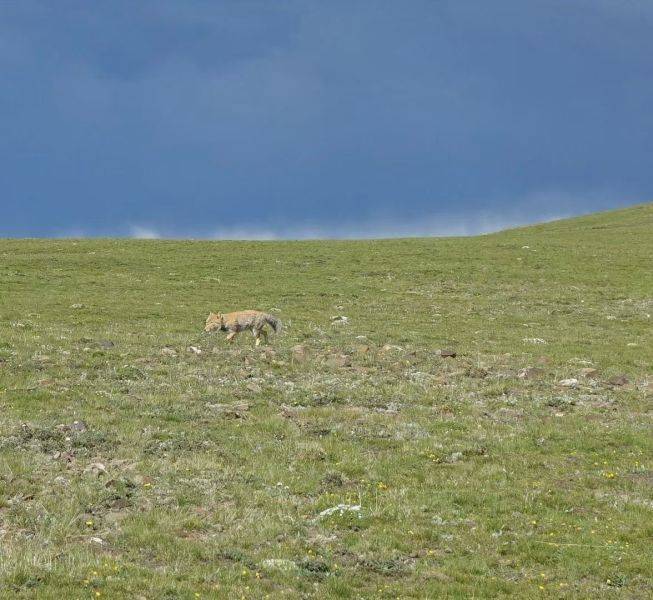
(241, 320)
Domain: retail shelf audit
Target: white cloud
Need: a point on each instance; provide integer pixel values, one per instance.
(442, 226)
(144, 233)
(534, 208)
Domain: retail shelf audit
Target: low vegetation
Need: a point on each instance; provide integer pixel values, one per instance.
(354, 456)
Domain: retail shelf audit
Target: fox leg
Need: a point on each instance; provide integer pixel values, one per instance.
(257, 336)
(231, 336)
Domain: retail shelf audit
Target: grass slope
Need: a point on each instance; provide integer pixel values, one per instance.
(204, 475)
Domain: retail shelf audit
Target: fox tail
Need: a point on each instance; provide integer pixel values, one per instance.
(273, 322)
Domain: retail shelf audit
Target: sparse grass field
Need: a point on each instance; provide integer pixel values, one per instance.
(204, 475)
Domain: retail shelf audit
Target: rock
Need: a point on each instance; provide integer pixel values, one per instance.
(391, 409)
(291, 411)
(255, 388)
(339, 320)
(300, 353)
(478, 372)
(78, 426)
(66, 456)
(167, 351)
(279, 564)
(333, 479)
(144, 480)
(340, 509)
(618, 380)
(362, 348)
(447, 353)
(530, 373)
(339, 360)
(454, 457)
(581, 361)
(391, 348)
(120, 504)
(268, 354)
(77, 305)
(96, 469)
(97, 540)
(229, 410)
(194, 350)
(570, 383)
(543, 360)
(589, 372)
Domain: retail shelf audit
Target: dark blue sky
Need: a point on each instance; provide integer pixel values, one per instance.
(258, 119)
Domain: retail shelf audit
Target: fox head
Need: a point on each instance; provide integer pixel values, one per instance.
(213, 322)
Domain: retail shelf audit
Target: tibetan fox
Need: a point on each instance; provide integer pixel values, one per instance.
(235, 322)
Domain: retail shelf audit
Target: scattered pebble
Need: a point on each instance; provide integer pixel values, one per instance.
(96, 469)
(229, 410)
(454, 457)
(341, 509)
(391, 348)
(339, 360)
(530, 373)
(589, 372)
(340, 319)
(570, 383)
(618, 380)
(300, 353)
(97, 540)
(279, 564)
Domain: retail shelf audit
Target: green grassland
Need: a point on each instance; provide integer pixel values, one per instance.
(204, 474)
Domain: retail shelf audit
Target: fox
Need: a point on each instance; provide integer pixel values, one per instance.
(235, 322)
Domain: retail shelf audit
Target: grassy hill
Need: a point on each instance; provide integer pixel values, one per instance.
(131, 466)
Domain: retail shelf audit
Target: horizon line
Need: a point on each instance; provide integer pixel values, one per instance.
(454, 228)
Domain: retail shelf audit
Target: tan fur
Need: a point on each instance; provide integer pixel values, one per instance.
(235, 322)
